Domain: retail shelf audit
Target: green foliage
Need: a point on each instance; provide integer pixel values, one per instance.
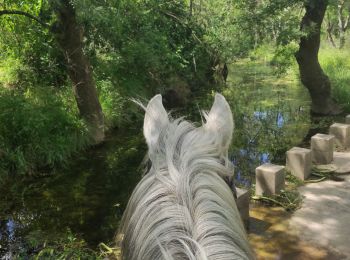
(335, 24)
(36, 131)
(336, 64)
(113, 105)
(26, 42)
(284, 57)
(138, 45)
(67, 246)
(135, 47)
(293, 180)
(281, 58)
(225, 29)
(70, 249)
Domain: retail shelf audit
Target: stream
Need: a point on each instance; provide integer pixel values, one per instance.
(87, 196)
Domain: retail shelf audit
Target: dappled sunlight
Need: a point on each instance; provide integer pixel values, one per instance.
(325, 214)
(71, 143)
(273, 237)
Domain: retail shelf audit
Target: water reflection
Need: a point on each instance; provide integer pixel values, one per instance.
(271, 116)
(86, 198)
(89, 196)
(8, 235)
(280, 120)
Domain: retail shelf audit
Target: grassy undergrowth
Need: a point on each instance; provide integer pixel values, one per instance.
(66, 246)
(336, 64)
(37, 131)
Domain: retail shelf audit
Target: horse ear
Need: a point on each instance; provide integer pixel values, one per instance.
(156, 119)
(220, 120)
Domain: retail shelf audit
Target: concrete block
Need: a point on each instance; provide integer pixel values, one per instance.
(347, 119)
(322, 142)
(243, 199)
(299, 162)
(322, 157)
(341, 133)
(322, 148)
(269, 179)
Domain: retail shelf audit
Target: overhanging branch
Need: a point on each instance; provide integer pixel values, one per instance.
(18, 12)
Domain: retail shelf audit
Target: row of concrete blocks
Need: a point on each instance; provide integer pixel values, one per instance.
(270, 178)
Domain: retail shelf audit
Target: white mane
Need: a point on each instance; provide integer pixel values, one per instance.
(183, 209)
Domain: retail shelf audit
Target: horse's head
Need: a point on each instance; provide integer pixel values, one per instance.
(183, 209)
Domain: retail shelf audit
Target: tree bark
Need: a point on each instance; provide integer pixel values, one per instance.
(70, 38)
(311, 73)
(191, 7)
(342, 23)
(329, 30)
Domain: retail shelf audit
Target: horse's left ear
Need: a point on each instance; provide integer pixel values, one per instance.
(156, 119)
(220, 120)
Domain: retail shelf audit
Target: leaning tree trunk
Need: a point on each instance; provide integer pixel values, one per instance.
(70, 38)
(311, 73)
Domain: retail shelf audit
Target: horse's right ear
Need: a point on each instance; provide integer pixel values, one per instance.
(220, 120)
(156, 119)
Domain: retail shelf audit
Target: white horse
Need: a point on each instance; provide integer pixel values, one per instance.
(182, 208)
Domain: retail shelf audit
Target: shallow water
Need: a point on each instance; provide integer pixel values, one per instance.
(88, 196)
(85, 198)
(271, 116)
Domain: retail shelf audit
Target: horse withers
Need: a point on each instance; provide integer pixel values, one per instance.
(182, 208)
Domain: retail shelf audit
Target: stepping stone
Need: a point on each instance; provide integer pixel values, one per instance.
(269, 179)
(299, 162)
(322, 148)
(341, 133)
(243, 199)
(347, 119)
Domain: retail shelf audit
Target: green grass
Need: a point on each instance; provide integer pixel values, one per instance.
(336, 64)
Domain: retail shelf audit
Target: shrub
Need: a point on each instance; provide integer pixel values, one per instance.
(36, 131)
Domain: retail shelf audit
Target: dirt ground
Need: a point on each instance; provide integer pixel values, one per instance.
(319, 230)
(324, 219)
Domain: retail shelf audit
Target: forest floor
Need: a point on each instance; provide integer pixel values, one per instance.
(324, 217)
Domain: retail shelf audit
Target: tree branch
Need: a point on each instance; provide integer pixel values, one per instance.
(18, 12)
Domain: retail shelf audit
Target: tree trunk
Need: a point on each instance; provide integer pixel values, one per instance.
(342, 23)
(70, 38)
(191, 7)
(311, 73)
(329, 30)
(341, 38)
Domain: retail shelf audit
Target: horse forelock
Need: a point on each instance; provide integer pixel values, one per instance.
(182, 209)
